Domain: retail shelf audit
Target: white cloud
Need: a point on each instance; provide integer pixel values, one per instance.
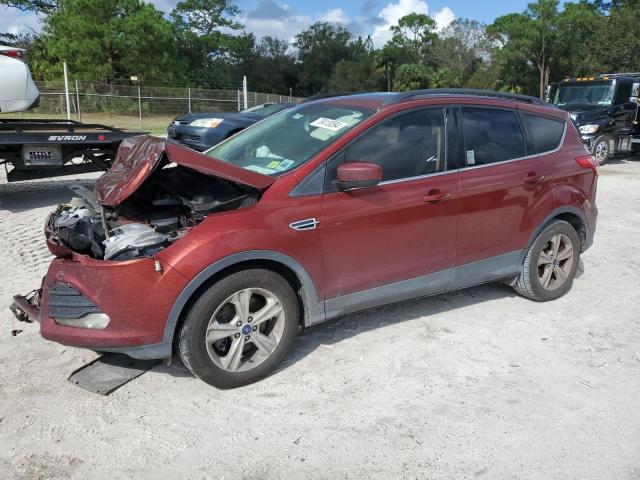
(283, 21)
(443, 18)
(393, 12)
(15, 22)
(335, 15)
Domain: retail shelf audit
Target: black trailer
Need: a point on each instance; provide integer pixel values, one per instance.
(31, 149)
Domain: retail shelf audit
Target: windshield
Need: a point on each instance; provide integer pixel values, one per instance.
(592, 94)
(288, 139)
(266, 109)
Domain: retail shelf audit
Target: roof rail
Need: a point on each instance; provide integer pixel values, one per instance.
(402, 96)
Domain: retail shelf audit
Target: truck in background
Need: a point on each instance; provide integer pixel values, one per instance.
(605, 108)
(42, 148)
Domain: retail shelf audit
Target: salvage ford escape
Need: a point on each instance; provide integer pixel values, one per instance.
(330, 207)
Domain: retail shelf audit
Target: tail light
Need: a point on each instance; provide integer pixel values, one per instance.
(18, 53)
(588, 161)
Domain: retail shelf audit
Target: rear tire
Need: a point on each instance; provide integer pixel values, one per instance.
(551, 263)
(240, 329)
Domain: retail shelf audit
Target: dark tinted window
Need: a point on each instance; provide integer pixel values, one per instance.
(623, 93)
(408, 145)
(491, 135)
(545, 133)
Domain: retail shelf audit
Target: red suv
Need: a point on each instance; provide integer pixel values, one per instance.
(333, 206)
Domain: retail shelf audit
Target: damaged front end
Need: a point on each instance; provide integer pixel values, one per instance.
(108, 243)
(153, 195)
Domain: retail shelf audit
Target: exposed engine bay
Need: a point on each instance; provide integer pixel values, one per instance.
(170, 202)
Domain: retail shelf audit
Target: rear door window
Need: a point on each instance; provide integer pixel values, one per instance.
(491, 136)
(545, 133)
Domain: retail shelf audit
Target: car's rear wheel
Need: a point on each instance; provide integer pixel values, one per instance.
(601, 149)
(551, 263)
(240, 329)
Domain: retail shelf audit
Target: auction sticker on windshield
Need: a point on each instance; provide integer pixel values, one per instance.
(328, 124)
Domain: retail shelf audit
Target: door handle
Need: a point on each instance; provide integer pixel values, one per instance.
(436, 197)
(532, 178)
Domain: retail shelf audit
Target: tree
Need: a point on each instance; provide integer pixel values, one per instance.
(413, 36)
(358, 74)
(43, 7)
(608, 51)
(461, 48)
(534, 33)
(202, 44)
(320, 48)
(108, 40)
(273, 68)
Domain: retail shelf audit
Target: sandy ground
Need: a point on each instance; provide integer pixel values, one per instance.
(474, 384)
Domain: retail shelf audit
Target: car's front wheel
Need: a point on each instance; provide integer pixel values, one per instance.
(601, 149)
(551, 263)
(240, 329)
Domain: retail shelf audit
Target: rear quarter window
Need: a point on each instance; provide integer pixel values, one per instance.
(545, 133)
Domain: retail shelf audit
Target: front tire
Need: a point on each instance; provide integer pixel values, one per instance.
(240, 329)
(551, 263)
(601, 149)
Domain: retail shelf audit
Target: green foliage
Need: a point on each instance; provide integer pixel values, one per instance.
(320, 48)
(107, 39)
(201, 44)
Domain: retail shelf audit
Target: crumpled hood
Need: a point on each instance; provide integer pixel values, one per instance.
(139, 156)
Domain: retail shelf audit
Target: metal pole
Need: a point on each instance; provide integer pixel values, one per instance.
(244, 92)
(189, 99)
(290, 94)
(140, 106)
(78, 102)
(239, 100)
(66, 90)
(255, 98)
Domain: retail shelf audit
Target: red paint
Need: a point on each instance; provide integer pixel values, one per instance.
(366, 237)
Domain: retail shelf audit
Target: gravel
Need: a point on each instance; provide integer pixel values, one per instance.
(478, 383)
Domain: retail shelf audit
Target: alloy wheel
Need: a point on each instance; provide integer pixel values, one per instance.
(245, 330)
(555, 262)
(602, 152)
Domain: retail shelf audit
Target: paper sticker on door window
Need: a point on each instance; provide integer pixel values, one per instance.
(471, 157)
(328, 124)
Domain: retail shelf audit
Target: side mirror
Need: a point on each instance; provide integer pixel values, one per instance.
(358, 175)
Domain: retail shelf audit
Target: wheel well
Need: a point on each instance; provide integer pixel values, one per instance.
(578, 224)
(287, 273)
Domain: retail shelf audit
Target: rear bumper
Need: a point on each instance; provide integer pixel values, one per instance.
(136, 298)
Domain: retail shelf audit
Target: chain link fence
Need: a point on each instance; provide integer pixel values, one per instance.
(142, 107)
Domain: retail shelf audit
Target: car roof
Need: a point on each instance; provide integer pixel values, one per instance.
(383, 100)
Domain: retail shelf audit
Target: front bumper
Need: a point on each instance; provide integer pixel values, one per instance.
(589, 139)
(197, 138)
(136, 297)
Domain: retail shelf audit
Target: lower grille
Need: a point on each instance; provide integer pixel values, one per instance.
(64, 301)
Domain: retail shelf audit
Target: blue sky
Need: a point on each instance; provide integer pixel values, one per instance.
(285, 18)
